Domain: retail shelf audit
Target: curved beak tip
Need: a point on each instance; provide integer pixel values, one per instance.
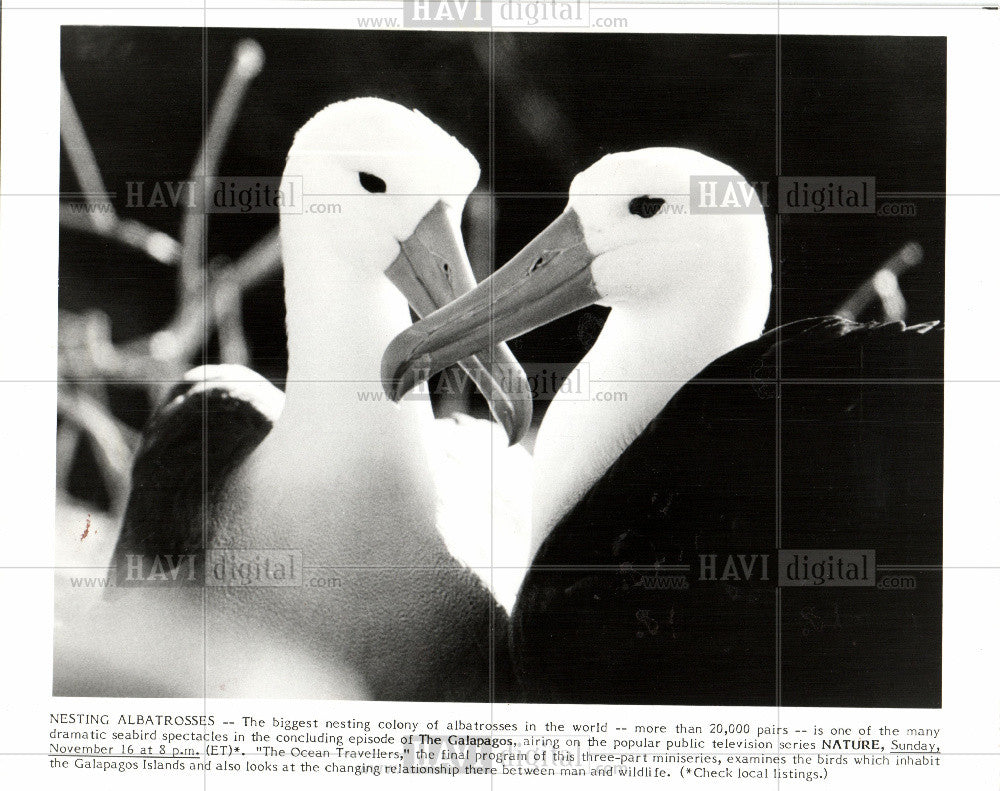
(515, 417)
(522, 410)
(399, 371)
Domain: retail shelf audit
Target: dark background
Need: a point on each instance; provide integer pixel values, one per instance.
(850, 106)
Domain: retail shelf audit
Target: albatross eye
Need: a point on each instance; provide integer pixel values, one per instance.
(370, 182)
(645, 206)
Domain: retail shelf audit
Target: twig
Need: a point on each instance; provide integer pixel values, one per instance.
(259, 262)
(81, 156)
(228, 307)
(884, 286)
(67, 442)
(157, 245)
(113, 441)
(184, 336)
(248, 60)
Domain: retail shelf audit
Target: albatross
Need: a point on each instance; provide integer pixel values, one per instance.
(329, 481)
(658, 518)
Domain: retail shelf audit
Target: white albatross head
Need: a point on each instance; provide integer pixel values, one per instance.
(371, 171)
(632, 238)
(382, 194)
(638, 215)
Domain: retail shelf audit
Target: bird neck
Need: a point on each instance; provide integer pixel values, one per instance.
(339, 321)
(643, 356)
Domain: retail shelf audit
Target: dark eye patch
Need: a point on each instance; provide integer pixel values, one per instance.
(645, 206)
(370, 182)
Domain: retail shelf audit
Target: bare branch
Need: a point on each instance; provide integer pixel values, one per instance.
(113, 441)
(81, 157)
(248, 60)
(884, 286)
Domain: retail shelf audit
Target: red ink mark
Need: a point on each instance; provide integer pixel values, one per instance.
(86, 530)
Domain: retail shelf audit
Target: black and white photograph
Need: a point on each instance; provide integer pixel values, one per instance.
(500, 389)
(706, 470)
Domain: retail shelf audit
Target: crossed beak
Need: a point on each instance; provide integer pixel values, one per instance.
(548, 279)
(432, 270)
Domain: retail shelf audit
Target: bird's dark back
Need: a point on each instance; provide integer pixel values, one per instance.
(823, 434)
(189, 449)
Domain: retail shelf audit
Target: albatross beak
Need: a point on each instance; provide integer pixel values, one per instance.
(433, 270)
(548, 279)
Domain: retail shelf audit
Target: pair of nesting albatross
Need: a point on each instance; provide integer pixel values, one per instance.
(696, 459)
